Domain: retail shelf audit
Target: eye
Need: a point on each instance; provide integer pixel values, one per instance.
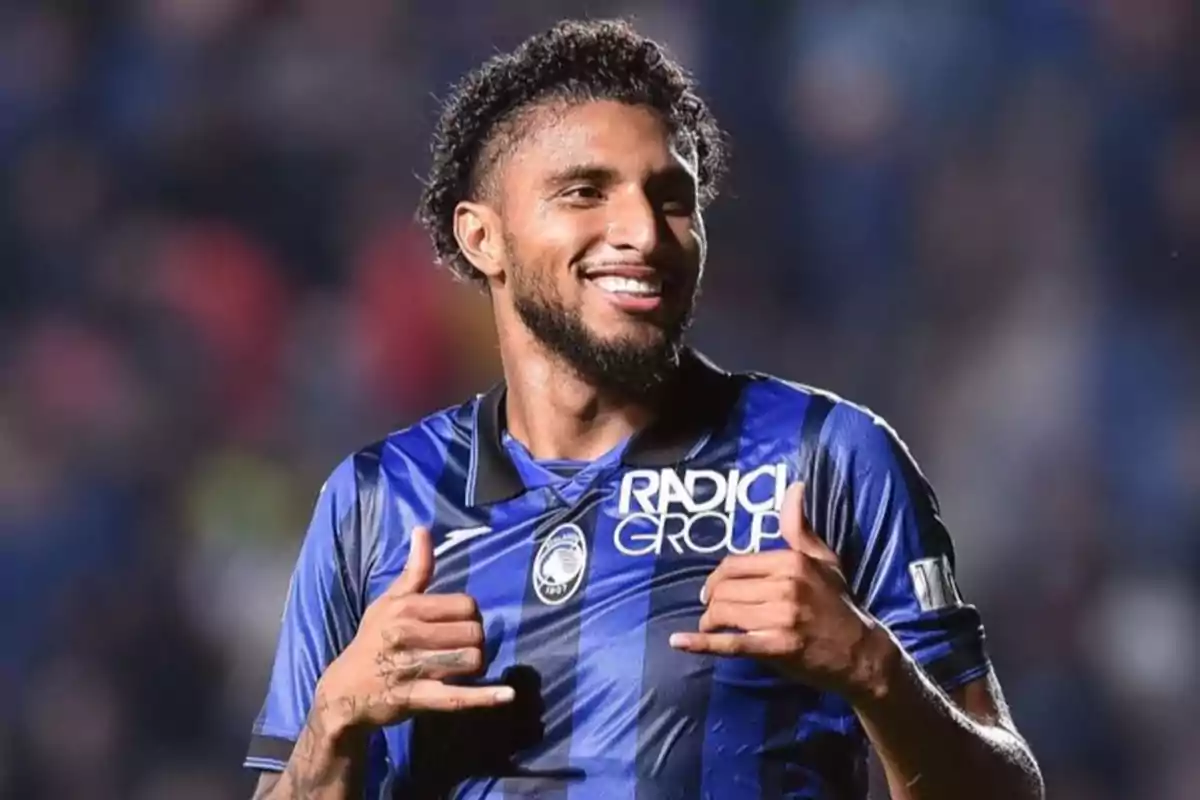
(678, 206)
(583, 194)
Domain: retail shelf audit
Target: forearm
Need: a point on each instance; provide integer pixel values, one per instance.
(933, 750)
(327, 763)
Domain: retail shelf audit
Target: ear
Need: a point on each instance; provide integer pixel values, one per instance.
(479, 236)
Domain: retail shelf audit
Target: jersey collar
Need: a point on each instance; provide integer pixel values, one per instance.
(704, 396)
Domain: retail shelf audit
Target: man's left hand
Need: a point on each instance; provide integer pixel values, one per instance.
(792, 609)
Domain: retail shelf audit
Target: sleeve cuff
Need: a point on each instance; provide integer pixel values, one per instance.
(965, 663)
(269, 753)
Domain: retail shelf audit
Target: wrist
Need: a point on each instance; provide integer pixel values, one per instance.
(876, 660)
(334, 722)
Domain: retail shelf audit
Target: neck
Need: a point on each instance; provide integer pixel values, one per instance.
(554, 412)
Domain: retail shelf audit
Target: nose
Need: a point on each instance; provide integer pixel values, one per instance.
(633, 223)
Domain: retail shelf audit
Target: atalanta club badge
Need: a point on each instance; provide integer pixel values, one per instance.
(559, 566)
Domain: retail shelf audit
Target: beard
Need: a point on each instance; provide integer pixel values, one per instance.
(630, 366)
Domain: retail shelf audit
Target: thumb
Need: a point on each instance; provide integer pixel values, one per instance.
(795, 528)
(417, 573)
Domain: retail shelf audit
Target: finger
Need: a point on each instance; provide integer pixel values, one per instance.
(418, 571)
(797, 532)
(769, 564)
(406, 666)
(786, 564)
(723, 615)
(413, 665)
(428, 695)
(418, 635)
(437, 607)
(751, 590)
(757, 643)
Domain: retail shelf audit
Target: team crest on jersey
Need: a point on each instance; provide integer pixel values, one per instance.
(559, 566)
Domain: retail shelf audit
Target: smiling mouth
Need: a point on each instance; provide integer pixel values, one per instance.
(633, 292)
(648, 286)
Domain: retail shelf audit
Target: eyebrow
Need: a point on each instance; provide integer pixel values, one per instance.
(672, 175)
(591, 173)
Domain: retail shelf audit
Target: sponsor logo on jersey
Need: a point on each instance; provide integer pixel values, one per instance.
(699, 511)
(559, 566)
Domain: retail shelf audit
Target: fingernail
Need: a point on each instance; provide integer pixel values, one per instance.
(677, 640)
(504, 694)
(704, 595)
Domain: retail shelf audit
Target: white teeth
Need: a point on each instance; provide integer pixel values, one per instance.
(622, 285)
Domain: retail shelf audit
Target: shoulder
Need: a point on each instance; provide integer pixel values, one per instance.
(424, 447)
(376, 494)
(425, 443)
(836, 427)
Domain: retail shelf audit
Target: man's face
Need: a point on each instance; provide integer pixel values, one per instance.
(604, 240)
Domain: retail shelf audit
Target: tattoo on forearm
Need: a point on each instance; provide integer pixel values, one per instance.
(308, 775)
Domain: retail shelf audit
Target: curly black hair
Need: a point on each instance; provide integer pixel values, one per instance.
(573, 61)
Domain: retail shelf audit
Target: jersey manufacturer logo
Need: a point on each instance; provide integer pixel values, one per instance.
(460, 535)
(558, 567)
(699, 511)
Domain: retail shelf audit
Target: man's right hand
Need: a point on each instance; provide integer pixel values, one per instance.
(408, 643)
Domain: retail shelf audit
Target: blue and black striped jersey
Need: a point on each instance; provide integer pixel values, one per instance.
(583, 571)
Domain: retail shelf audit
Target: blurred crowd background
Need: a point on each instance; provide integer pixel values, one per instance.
(981, 219)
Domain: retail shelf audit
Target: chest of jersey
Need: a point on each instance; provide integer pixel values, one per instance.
(580, 585)
(586, 569)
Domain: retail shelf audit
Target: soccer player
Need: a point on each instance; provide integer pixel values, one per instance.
(623, 572)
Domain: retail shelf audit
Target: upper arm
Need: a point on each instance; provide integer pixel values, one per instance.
(881, 516)
(320, 617)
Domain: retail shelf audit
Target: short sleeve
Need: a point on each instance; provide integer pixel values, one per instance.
(882, 518)
(320, 616)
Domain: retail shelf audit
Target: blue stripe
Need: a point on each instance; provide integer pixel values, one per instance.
(547, 648)
(781, 773)
(612, 650)
(744, 692)
(498, 579)
(672, 721)
(741, 693)
(418, 747)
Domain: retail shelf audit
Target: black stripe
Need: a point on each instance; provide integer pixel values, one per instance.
(453, 569)
(547, 656)
(441, 747)
(496, 477)
(357, 549)
(677, 687)
(814, 464)
(932, 534)
(785, 708)
(965, 656)
(275, 748)
(362, 529)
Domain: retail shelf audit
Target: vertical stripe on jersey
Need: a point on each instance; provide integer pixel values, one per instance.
(369, 516)
(547, 652)
(611, 646)
(437, 743)
(805, 738)
(672, 724)
(742, 689)
(783, 752)
(501, 563)
(745, 698)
